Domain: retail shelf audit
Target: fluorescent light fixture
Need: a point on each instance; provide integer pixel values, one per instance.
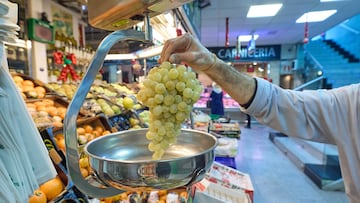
(145, 53)
(246, 38)
(316, 16)
(332, 0)
(265, 10)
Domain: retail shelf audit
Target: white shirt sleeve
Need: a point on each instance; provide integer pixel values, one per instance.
(316, 115)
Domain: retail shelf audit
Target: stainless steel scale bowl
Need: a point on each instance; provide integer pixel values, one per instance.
(121, 161)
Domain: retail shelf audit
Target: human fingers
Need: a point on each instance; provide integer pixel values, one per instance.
(179, 44)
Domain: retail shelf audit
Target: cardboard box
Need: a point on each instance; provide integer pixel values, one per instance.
(222, 182)
(207, 191)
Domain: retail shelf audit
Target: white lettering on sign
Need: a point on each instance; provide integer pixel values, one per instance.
(261, 52)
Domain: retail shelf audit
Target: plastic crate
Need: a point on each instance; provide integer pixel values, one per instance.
(227, 161)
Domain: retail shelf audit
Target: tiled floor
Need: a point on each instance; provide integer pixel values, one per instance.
(275, 178)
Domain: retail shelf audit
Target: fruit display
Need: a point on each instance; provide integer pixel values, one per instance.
(48, 111)
(48, 191)
(126, 121)
(122, 89)
(87, 130)
(144, 116)
(30, 88)
(170, 92)
(157, 196)
(67, 90)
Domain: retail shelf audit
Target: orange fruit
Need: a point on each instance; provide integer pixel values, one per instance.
(38, 197)
(52, 188)
(88, 128)
(80, 131)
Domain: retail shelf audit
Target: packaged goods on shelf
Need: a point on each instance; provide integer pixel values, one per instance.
(227, 147)
(229, 129)
(230, 178)
(200, 121)
(179, 195)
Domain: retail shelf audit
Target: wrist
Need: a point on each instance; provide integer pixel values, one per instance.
(214, 59)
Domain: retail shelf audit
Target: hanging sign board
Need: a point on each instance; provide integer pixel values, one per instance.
(260, 53)
(40, 31)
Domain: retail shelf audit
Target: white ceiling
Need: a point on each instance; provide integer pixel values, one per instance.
(280, 29)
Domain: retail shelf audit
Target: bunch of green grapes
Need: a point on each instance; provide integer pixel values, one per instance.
(170, 92)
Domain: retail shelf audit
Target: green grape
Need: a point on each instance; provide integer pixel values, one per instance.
(159, 98)
(158, 154)
(180, 86)
(153, 146)
(149, 92)
(156, 124)
(195, 97)
(170, 133)
(167, 115)
(166, 65)
(157, 110)
(169, 92)
(178, 99)
(173, 74)
(155, 77)
(169, 126)
(192, 75)
(180, 116)
(173, 108)
(150, 135)
(187, 93)
(150, 102)
(182, 106)
(181, 69)
(165, 78)
(164, 72)
(149, 83)
(191, 84)
(141, 96)
(170, 85)
(169, 100)
(160, 88)
(162, 131)
(164, 144)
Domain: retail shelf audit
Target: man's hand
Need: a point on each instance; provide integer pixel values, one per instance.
(186, 49)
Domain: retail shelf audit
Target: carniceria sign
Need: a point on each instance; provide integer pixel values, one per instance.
(261, 53)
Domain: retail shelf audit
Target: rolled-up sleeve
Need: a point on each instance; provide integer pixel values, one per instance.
(314, 114)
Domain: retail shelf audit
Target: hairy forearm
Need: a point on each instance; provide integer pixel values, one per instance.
(239, 86)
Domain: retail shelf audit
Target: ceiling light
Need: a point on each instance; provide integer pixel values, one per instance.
(315, 16)
(332, 0)
(265, 10)
(246, 38)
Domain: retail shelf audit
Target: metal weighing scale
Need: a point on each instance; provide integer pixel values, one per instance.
(121, 161)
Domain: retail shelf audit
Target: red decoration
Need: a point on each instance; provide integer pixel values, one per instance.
(227, 33)
(72, 57)
(67, 69)
(178, 32)
(306, 34)
(58, 57)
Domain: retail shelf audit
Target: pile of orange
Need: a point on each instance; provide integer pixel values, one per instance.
(47, 107)
(47, 191)
(28, 88)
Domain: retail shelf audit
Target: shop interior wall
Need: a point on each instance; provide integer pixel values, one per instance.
(76, 18)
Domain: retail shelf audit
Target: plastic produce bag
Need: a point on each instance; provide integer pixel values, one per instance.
(23, 154)
(227, 147)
